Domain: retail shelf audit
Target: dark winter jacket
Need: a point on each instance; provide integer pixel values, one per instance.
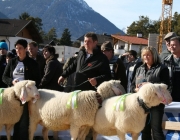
(131, 68)
(174, 72)
(53, 71)
(158, 73)
(118, 71)
(97, 65)
(2, 68)
(31, 70)
(164, 54)
(41, 62)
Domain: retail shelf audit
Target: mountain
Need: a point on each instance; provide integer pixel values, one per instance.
(3, 16)
(75, 15)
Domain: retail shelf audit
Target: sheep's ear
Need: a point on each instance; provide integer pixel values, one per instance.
(160, 94)
(23, 95)
(116, 90)
(28, 86)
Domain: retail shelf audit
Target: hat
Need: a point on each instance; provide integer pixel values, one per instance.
(3, 45)
(170, 35)
(106, 46)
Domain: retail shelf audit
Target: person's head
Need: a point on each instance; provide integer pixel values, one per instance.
(175, 45)
(131, 55)
(49, 51)
(90, 41)
(3, 48)
(167, 39)
(9, 56)
(32, 48)
(76, 54)
(150, 56)
(21, 48)
(14, 52)
(3, 40)
(107, 49)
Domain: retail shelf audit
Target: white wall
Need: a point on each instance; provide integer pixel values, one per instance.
(131, 47)
(82, 43)
(119, 44)
(11, 41)
(136, 47)
(65, 52)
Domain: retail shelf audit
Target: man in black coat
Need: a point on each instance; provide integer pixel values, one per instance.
(91, 64)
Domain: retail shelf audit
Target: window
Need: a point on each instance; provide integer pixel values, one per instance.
(121, 47)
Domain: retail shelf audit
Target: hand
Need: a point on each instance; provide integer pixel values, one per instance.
(60, 80)
(139, 86)
(93, 81)
(125, 54)
(15, 81)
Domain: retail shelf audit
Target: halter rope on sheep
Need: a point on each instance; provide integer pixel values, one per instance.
(80, 84)
(1, 92)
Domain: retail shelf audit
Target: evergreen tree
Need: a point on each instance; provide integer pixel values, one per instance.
(36, 20)
(144, 25)
(176, 23)
(66, 38)
(51, 35)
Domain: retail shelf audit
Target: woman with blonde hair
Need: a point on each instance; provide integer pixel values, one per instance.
(154, 72)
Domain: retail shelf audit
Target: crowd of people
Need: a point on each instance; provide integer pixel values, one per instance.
(88, 69)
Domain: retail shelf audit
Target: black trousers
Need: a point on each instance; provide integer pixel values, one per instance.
(21, 127)
(155, 124)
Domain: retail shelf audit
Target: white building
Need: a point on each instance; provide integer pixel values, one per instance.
(124, 43)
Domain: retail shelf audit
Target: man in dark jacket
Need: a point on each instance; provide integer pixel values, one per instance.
(172, 61)
(167, 51)
(91, 64)
(118, 71)
(34, 54)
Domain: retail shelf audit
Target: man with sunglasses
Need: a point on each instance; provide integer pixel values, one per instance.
(167, 51)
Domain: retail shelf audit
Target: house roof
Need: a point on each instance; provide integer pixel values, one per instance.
(48, 42)
(131, 39)
(101, 38)
(11, 28)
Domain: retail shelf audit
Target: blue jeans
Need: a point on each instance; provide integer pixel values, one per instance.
(21, 127)
(155, 124)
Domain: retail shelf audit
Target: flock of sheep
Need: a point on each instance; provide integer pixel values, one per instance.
(104, 111)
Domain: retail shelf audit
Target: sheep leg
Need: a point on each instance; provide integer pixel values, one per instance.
(83, 132)
(74, 130)
(45, 133)
(94, 134)
(121, 135)
(8, 128)
(32, 129)
(134, 136)
(1, 129)
(55, 135)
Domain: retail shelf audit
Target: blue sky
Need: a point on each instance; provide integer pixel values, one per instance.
(123, 12)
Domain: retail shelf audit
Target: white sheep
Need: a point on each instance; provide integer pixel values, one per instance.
(52, 111)
(110, 120)
(10, 109)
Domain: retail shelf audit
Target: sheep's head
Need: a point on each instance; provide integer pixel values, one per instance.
(110, 88)
(26, 91)
(154, 94)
